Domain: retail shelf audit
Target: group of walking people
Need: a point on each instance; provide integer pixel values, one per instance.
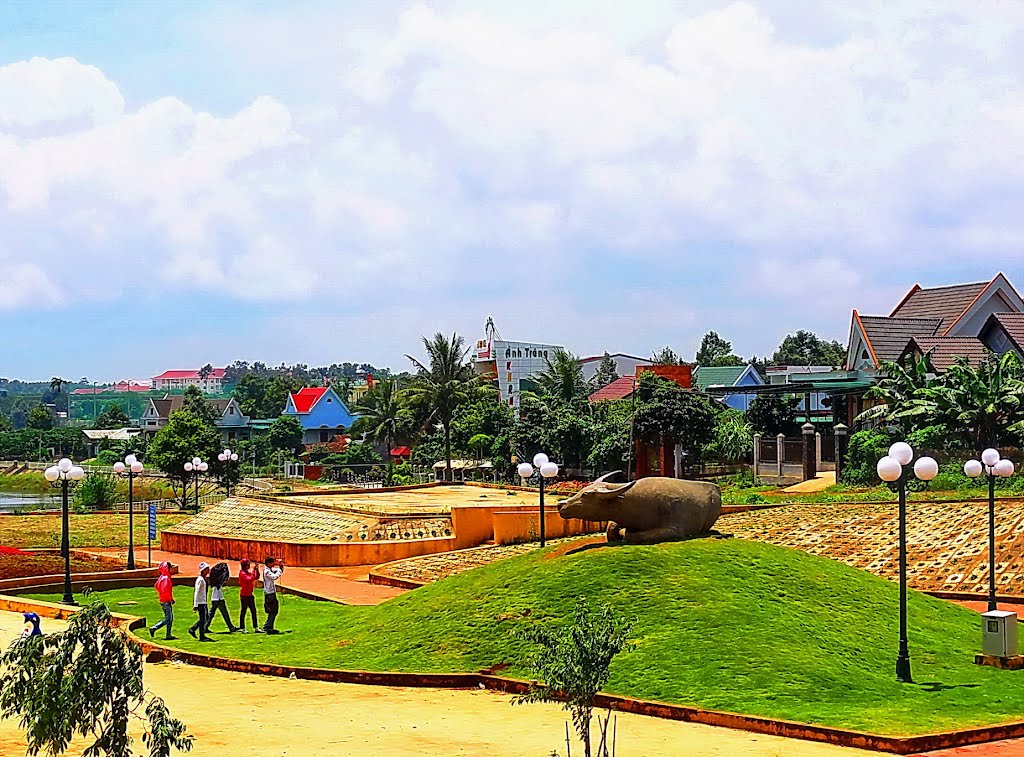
(208, 598)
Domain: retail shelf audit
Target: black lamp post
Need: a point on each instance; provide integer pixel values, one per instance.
(893, 469)
(993, 467)
(227, 457)
(197, 467)
(547, 469)
(129, 469)
(65, 475)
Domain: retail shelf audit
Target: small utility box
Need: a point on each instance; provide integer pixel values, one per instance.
(999, 633)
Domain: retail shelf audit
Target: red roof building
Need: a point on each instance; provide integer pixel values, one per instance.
(619, 389)
(213, 382)
(305, 398)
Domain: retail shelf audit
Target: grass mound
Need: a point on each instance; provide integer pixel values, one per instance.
(722, 624)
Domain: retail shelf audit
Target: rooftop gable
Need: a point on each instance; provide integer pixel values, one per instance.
(887, 337)
(724, 375)
(304, 399)
(947, 303)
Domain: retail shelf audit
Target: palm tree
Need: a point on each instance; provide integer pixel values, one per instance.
(447, 383)
(562, 378)
(56, 384)
(382, 414)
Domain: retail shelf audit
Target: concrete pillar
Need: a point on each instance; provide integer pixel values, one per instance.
(757, 456)
(817, 449)
(842, 441)
(780, 442)
(810, 462)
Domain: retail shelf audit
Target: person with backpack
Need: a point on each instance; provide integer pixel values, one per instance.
(165, 594)
(248, 575)
(199, 604)
(271, 573)
(218, 578)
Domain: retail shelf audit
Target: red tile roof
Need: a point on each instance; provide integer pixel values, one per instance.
(304, 399)
(946, 303)
(89, 390)
(216, 373)
(944, 350)
(1013, 324)
(619, 389)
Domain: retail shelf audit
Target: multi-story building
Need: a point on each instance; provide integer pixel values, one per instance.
(510, 364)
(211, 383)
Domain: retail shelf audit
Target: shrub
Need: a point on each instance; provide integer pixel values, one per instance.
(106, 457)
(931, 438)
(96, 492)
(866, 447)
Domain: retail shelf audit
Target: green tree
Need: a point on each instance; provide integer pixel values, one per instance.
(732, 440)
(383, 417)
(285, 433)
(716, 351)
(773, 414)
(442, 384)
(112, 417)
(667, 412)
(6, 426)
(666, 356)
(85, 681)
(610, 447)
(896, 394)
(39, 418)
(184, 437)
(806, 348)
(194, 402)
(573, 663)
(205, 371)
(607, 372)
(562, 377)
(57, 384)
(983, 404)
(265, 396)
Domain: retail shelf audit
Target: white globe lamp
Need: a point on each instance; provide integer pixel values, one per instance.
(973, 468)
(119, 467)
(549, 470)
(990, 457)
(64, 465)
(525, 470)
(539, 459)
(902, 452)
(136, 467)
(1003, 469)
(926, 468)
(889, 469)
(51, 474)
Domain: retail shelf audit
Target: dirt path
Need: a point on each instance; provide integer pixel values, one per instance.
(233, 713)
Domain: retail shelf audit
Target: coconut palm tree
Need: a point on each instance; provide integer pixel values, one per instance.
(562, 377)
(442, 383)
(56, 384)
(383, 415)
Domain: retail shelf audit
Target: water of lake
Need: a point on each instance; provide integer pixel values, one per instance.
(11, 500)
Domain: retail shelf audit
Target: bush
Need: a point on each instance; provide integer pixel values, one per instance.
(96, 492)
(106, 457)
(931, 438)
(866, 447)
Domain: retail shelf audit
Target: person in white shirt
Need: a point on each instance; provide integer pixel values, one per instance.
(199, 604)
(271, 573)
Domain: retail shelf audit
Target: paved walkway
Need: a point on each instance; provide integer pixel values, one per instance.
(351, 587)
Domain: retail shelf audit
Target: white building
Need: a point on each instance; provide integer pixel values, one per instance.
(510, 364)
(210, 383)
(625, 365)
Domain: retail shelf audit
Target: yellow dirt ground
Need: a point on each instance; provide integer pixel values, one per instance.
(817, 484)
(258, 716)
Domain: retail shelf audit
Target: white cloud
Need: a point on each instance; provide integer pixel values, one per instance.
(411, 152)
(26, 285)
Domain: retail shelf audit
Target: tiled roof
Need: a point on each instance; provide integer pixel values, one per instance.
(725, 375)
(945, 303)
(90, 390)
(889, 336)
(304, 399)
(944, 350)
(216, 373)
(171, 404)
(619, 389)
(1013, 324)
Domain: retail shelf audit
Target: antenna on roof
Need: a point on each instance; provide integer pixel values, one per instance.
(491, 331)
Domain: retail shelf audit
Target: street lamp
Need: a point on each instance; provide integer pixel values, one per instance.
(65, 475)
(198, 466)
(227, 456)
(992, 467)
(547, 469)
(893, 470)
(129, 469)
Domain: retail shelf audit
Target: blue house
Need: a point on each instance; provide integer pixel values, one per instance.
(321, 413)
(729, 376)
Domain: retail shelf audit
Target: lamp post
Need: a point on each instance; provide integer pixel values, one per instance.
(227, 456)
(196, 466)
(893, 470)
(547, 469)
(129, 469)
(65, 475)
(993, 467)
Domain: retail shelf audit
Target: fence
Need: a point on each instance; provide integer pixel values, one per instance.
(364, 476)
(781, 459)
(91, 469)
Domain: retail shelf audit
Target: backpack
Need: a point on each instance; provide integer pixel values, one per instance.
(219, 574)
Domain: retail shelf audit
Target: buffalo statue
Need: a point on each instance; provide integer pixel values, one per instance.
(648, 510)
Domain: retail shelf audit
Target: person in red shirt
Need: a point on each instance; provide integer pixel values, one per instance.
(248, 575)
(165, 594)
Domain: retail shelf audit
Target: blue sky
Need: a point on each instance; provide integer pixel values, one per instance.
(319, 181)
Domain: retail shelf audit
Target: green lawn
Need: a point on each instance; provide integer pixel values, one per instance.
(722, 624)
(99, 530)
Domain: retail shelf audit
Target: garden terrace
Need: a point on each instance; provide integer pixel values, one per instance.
(947, 544)
(423, 502)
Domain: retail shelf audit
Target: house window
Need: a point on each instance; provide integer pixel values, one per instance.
(325, 436)
(231, 411)
(329, 399)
